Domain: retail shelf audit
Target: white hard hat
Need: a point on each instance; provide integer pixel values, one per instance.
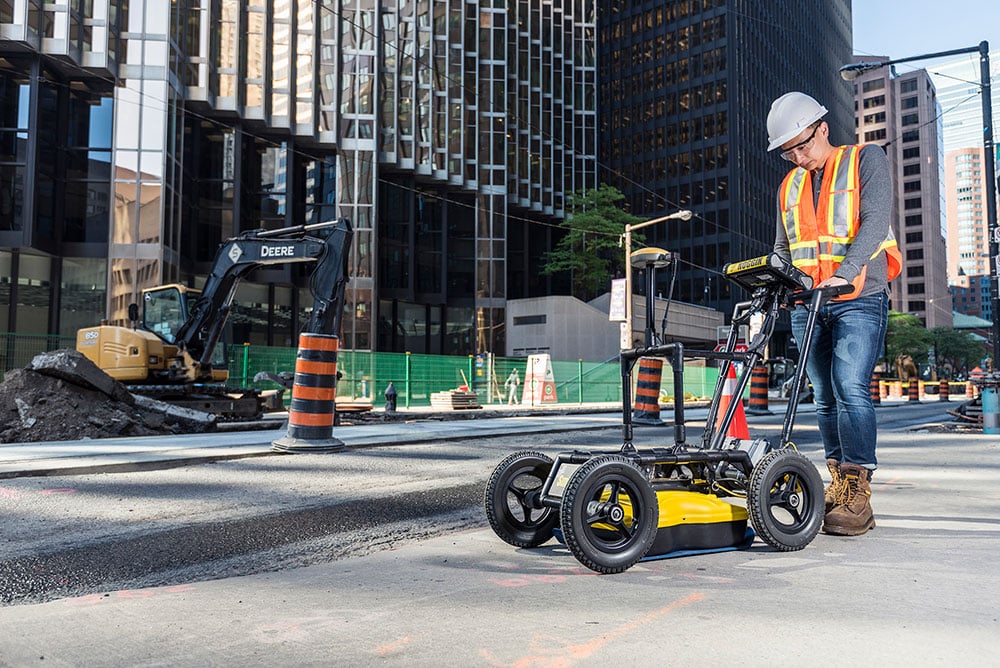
(791, 114)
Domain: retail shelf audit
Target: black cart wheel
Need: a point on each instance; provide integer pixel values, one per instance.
(785, 500)
(513, 496)
(609, 514)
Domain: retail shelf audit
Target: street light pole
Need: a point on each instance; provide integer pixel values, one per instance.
(677, 215)
(991, 201)
(854, 70)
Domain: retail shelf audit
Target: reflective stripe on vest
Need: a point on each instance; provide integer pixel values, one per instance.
(819, 235)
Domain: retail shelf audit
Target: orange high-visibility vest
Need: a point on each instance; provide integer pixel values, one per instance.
(819, 234)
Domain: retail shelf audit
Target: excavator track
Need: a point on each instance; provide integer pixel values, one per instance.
(229, 404)
(175, 335)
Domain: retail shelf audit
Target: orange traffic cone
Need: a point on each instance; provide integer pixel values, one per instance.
(738, 428)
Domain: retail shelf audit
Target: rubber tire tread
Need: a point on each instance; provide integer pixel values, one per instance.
(506, 527)
(589, 554)
(762, 478)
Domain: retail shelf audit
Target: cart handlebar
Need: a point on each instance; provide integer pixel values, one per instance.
(824, 294)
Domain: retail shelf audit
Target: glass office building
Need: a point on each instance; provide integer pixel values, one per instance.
(136, 136)
(684, 92)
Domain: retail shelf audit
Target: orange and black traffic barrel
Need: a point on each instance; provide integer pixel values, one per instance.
(758, 392)
(314, 393)
(874, 390)
(646, 408)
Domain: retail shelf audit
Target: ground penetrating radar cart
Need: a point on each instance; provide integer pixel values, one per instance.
(613, 508)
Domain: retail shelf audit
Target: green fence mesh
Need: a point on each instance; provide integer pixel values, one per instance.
(17, 350)
(366, 375)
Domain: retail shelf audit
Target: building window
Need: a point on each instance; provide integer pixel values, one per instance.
(909, 103)
(912, 203)
(910, 119)
(875, 135)
(909, 86)
(911, 135)
(914, 237)
(914, 220)
(874, 102)
(911, 187)
(874, 84)
(911, 170)
(911, 152)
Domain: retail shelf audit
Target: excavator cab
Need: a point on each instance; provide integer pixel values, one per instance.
(146, 352)
(165, 308)
(173, 336)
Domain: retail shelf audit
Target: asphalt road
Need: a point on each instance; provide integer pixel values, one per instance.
(381, 557)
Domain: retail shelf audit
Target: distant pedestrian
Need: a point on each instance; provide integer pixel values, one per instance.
(833, 223)
(512, 385)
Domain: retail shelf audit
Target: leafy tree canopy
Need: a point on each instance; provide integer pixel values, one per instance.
(906, 335)
(590, 249)
(953, 350)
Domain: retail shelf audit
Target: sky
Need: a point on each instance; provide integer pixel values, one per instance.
(903, 28)
(906, 28)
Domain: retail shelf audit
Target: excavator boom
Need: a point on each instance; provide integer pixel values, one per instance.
(177, 352)
(237, 257)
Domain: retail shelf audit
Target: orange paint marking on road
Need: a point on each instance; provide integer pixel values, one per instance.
(392, 647)
(178, 589)
(585, 650)
(553, 576)
(567, 656)
(93, 599)
(530, 579)
(89, 599)
(135, 593)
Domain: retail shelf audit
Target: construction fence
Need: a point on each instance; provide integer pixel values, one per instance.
(365, 375)
(415, 377)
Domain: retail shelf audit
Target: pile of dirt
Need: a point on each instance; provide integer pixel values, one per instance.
(52, 400)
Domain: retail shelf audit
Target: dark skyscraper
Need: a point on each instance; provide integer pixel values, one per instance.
(684, 91)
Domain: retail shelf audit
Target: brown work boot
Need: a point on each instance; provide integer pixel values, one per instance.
(833, 489)
(851, 514)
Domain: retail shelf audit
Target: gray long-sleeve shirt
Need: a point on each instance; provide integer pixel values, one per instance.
(876, 202)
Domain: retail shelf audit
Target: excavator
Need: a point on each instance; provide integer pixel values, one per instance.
(170, 352)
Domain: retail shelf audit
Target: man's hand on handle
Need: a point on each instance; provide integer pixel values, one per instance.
(833, 282)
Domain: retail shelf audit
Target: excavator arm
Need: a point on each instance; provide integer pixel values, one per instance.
(326, 244)
(169, 356)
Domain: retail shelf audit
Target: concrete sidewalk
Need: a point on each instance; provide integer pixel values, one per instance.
(416, 425)
(148, 452)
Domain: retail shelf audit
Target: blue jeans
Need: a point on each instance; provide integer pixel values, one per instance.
(847, 341)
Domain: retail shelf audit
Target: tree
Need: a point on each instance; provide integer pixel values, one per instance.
(906, 335)
(590, 249)
(955, 351)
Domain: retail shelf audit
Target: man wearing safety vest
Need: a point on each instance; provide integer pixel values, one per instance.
(833, 224)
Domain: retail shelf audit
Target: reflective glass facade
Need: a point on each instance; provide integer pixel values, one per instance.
(447, 131)
(685, 88)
